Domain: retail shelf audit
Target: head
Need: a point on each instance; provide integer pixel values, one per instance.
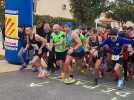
(77, 31)
(46, 27)
(129, 29)
(113, 35)
(94, 31)
(108, 29)
(28, 30)
(89, 29)
(67, 28)
(39, 24)
(56, 28)
(21, 29)
(83, 29)
(124, 29)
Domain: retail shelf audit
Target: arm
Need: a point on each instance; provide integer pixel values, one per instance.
(42, 40)
(27, 41)
(105, 42)
(77, 40)
(127, 41)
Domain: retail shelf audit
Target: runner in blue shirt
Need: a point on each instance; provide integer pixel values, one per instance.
(115, 43)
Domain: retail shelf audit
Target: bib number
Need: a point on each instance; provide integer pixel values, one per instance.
(115, 57)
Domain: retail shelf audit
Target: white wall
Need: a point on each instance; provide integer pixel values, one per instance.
(53, 8)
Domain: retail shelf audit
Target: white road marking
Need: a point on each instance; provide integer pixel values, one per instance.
(38, 84)
(108, 90)
(91, 87)
(109, 84)
(109, 87)
(114, 98)
(122, 94)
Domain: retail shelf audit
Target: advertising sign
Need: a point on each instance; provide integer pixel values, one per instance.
(18, 13)
(11, 26)
(11, 44)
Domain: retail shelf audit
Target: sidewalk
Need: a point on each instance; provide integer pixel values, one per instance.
(4, 65)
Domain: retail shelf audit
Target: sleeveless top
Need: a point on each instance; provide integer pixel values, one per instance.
(68, 39)
(33, 43)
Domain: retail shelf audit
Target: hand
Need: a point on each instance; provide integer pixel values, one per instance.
(49, 46)
(70, 51)
(24, 50)
(86, 49)
(131, 53)
(40, 51)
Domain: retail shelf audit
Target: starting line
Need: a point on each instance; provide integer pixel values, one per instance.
(107, 87)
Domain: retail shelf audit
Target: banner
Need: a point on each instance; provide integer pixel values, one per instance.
(11, 44)
(11, 26)
(18, 13)
(24, 9)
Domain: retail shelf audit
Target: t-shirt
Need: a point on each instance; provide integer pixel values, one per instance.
(117, 45)
(83, 37)
(56, 38)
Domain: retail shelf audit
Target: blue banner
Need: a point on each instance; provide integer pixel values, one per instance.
(24, 8)
(17, 13)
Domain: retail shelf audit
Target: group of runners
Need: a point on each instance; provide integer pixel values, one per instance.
(96, 50)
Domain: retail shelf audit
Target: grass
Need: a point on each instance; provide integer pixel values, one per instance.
(1, 57)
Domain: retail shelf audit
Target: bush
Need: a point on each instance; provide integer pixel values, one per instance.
(1, 57)
(52, 20)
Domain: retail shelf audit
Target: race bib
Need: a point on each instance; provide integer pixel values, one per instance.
(115, 57)
(35, 46)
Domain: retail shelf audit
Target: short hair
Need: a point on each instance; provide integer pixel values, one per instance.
(130, 28)
(28, 27)
(113, 32)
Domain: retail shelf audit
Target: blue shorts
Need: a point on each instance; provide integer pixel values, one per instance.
(79, 52)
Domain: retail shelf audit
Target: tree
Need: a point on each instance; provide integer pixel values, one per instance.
(123, 10)
(86, 11)
(2, 12)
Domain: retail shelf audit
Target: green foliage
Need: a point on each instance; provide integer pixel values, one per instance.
(86, 11)
(2, 12)
(1, 57)
(51, 20)
(123, 10)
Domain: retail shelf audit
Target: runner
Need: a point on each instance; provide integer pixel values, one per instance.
(57, 39)
(131, 62)
(38, 44)
(48, 54)
(75, 50)
(116, 43)
(94, 41)
(23, 36)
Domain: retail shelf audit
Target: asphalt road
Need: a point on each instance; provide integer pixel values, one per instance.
(26, 86)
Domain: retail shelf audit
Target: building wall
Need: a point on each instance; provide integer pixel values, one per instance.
(53, 8)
